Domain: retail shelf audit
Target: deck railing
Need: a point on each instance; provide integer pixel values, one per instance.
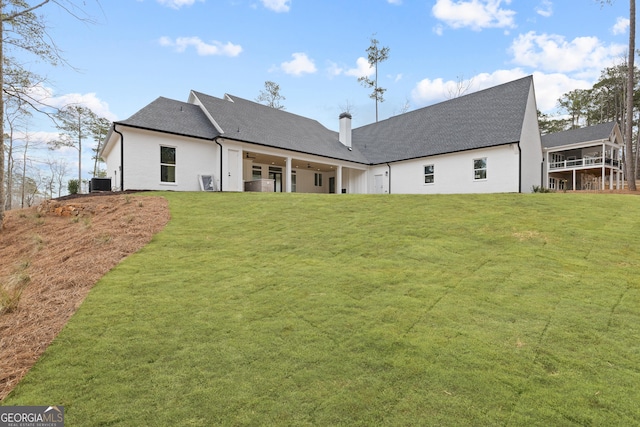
(584, 162)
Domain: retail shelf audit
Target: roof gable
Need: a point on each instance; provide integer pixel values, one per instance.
(249, 121)
(487, 118)
(171, 116)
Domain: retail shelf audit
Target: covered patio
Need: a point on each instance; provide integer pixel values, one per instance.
(267, 171)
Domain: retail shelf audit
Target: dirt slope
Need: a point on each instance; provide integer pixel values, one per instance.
(56, 253)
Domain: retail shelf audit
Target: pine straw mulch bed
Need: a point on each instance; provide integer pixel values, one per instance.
(56, 252)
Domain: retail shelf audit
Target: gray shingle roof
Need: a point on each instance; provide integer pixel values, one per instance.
(487, 118)
(576, 136)
(249, 121)
(168, 115)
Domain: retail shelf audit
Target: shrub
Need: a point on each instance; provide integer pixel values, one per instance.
(10, 293)
(73, 186)
(541, 189)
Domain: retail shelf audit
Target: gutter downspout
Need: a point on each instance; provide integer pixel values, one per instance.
(542, 174)
(519, 168)
(219, 145)
(121, 157)
(389, 166)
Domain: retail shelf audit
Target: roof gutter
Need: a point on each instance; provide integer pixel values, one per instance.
(121, 156)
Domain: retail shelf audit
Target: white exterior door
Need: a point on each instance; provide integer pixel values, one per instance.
(378, 184)
(233, 167)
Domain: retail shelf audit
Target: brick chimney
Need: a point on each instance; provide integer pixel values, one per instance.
(345, 130)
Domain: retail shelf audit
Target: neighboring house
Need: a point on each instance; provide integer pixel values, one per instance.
(484, 142)
(584, 159)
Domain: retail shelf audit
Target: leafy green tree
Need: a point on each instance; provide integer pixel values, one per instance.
(375, 55)
(547, 124)
(576, 103)
(609, 94)
(271, 96)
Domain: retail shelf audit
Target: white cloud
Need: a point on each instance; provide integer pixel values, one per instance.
(394, 2)
(203, 49)
(334, 69)
(548, 87)
(300, 64)
(545, 8)
(38, 137)
(89, 100)
(474, 14)
(363, 69)
(621, 26)
(44, 96)
(429, 91)
(177, 4)
(277, 5)
(550, 52)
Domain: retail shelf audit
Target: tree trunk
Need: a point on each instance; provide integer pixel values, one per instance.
(24, 169)
(9, 173)
(2, 181)
(629, 162)
(376, 91)
(79, 151)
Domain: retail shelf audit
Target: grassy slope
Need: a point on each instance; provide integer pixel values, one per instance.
(272, 309)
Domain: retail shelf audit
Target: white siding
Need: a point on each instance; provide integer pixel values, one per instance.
(531, 147)
(354, 180)
(112, 160)
(378, 182)
(142, 160)
(306, 181)
(454, 173)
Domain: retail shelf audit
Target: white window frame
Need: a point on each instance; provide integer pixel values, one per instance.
(174, 165)
(256, 172)
(483, 169)
(429, 175)
(317, 179)
(294, 183)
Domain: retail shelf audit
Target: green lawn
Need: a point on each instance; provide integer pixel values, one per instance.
(294, 310)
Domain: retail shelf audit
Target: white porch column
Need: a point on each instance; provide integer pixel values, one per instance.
(287, 174)
(339, 180)
(611, 176)
(604, 169)
(574, 180)
(547, 169)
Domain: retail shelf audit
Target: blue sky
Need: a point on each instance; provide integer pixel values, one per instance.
(315, 50)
